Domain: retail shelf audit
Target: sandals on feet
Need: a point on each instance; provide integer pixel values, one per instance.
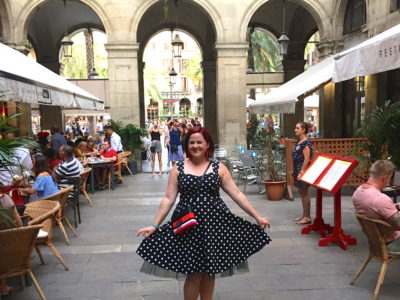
(304, 221)
(298, 219)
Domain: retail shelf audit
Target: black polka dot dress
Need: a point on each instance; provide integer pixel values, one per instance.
(219, 244)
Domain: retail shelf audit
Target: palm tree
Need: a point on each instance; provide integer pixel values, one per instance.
(193, 70)
(265, 52)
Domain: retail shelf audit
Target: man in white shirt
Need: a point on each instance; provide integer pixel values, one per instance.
(24, 164)
(115, 139)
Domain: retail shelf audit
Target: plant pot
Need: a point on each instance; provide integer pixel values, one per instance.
(275, 189)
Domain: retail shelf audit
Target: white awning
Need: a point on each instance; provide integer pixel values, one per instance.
(283, 99)
(24, 80)
(378, 54)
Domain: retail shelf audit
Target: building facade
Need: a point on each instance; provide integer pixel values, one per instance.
(220, 28)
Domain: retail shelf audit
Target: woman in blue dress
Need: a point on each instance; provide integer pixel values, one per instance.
(301, 156)
(175, 145)
(45, 185)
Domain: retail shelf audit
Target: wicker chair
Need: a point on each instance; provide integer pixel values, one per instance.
(375, 231)
(117, 173)
(44, 212)
(16, 246)
(125, 158)
(62, 198)
(84, 178)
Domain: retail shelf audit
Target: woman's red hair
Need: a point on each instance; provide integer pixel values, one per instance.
(207, 137)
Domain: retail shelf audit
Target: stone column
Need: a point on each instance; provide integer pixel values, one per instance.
(231, 94)
(330, 104)
(210, 97)
(123, 80)
(292, 68)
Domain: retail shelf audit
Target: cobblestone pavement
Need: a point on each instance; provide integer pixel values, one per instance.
(103, 263)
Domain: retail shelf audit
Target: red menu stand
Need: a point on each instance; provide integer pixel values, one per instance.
(329, 173)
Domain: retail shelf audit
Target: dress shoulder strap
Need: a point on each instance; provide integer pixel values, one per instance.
(215, 166)
(180, 165)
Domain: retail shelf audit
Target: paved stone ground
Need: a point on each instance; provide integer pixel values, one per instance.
(103, 263)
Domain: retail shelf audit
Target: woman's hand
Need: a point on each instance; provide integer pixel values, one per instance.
(146, 231)
(263, 222)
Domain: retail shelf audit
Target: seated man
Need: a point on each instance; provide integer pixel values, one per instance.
(108, 154)
(369, 201)
(69, 168)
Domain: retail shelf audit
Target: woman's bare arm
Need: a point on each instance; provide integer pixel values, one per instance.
(165, 205)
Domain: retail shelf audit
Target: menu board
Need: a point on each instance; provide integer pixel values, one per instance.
(334, 174)
(317, 166)
(329, 172)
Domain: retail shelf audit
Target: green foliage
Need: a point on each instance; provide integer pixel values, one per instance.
(269, 160)
(193, 70)
(252, 128)
(130, 135)
(76, 66)
(382, 130)
(265, 52)
(7, 146)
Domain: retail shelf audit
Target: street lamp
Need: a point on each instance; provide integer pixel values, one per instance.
(177, 45)
(172, 76)
(93, 74)
(66, 44)
(283, 39)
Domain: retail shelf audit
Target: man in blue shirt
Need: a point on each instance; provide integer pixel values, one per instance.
(57, 139)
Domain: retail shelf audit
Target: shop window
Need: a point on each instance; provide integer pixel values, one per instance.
(359, 101)
(184, 107)
(355, 16)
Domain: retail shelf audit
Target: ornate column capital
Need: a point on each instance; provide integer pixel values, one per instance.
(122, 50)
(24, 49)
(231, 49)
(329, 47)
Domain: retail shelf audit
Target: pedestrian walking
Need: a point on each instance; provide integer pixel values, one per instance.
(204, 239)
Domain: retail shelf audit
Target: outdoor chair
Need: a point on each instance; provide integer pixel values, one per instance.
(84, 177)
(62, 198)
(16, 253)
(375, 231)
(247, 172)
(43, 212)
(76, 183)
(116, 173)
(125, 159)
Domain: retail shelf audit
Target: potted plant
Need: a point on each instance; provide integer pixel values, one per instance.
(270, 161)
(381, 128)
(130, 138)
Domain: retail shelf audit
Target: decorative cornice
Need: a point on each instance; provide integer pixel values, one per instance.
(231, 49)
(122, 50)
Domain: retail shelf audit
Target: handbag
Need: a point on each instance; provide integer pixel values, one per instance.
(184, 219)
(174, 148)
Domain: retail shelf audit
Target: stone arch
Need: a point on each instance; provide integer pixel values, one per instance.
(317, 11)
(5, 25)
(150, 34)
(30, 7)
(339, 15)
(209, 9)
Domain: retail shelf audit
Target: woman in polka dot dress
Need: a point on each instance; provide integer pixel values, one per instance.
(220, 243)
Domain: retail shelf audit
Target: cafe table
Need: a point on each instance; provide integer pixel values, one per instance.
(99, 163)
(392, 191)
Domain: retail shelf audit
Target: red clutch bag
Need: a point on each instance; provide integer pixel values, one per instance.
(184, 221)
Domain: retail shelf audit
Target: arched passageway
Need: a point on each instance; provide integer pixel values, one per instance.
(45, 24)
(189, 17)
